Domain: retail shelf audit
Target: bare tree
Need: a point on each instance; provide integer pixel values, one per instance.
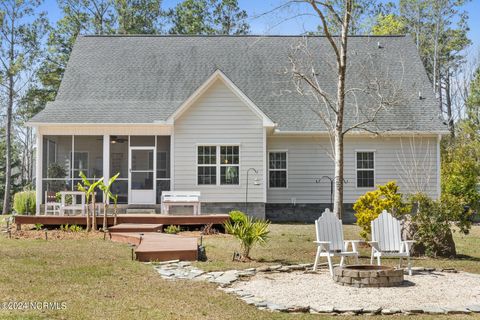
(331, 107)
(415, 167)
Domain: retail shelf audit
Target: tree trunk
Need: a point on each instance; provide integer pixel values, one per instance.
(338, 194)
(105, 208)
(339, 134)
(115, 214)
(87, 207)
(448, 104)
(94, 214)
(8, 147)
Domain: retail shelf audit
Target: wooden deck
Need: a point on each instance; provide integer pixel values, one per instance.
(152, 246)
(183, 220)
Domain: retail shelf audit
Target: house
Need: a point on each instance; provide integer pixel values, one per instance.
(208, 113)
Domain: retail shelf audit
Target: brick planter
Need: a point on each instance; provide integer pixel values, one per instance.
(367, 276)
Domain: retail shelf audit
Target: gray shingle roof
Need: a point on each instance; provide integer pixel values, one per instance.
(143, 79)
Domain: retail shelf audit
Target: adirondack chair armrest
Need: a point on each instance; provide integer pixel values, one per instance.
(408, 244)
(353, 243)
(324, 244)
(374, 245)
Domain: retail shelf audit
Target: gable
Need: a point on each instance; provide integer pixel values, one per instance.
(217, 78)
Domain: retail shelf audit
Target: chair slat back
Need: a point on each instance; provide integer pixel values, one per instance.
(50, 196)
(329, 228)
(386, 231)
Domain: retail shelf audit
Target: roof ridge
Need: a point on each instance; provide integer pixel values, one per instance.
(230, 36)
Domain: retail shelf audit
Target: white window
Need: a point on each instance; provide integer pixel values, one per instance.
(365, 169)
(222, 159)
(277, 169)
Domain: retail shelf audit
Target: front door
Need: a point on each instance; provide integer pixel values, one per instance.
(141, 178)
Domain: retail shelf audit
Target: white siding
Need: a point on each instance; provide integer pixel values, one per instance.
(308, 160)
(219, 117)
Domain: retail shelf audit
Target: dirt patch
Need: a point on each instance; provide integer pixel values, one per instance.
(29, 232)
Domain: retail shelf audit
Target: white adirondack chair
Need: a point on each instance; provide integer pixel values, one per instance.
(387, 240)
(330, 241)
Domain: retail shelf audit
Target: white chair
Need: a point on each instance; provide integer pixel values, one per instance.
(51, 204)
(387, 240)
(330, 241)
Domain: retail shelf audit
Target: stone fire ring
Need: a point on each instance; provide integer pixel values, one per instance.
(368, 276)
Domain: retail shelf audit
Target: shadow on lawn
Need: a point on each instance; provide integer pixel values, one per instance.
(467, 258)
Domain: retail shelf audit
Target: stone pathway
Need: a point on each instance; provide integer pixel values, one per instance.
(283, 294)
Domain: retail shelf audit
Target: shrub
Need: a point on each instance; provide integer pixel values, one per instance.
(369, 206)
(237, 216)
(433, 221)
(24, 202)
(172, 229)
(248, 231)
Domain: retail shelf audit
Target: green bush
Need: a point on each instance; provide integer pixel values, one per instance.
(172, 229)
(24, 202)
(237, 216)
(433, 221)
(248, 231)
(369, 206)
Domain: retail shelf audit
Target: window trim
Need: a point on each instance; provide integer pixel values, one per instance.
(286, 169)
(218, 165)
(357, 151)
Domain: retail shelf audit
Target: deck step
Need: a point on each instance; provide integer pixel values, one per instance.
(153, 246)
(141, 211)
(136, 227)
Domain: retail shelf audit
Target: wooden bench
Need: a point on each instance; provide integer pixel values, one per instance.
(181, 198)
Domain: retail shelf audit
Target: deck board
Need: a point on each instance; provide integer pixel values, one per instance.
(51, 220)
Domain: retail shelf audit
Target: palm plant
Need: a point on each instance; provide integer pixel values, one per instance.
(249, 231)
(107, 194)
(114, 197)
(88, 188)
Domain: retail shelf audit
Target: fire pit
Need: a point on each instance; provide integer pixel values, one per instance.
(363, 276)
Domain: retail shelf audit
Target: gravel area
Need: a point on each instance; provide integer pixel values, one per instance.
(318, 291)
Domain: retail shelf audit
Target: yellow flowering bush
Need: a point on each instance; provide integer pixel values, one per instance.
(369, 206)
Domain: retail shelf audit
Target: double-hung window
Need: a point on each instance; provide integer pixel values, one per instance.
(218, 164)
(277, 169)
(365, 169)
(207, 165)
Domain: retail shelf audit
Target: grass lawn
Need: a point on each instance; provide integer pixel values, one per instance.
(97, 280)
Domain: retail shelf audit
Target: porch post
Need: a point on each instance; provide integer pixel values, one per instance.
(38, 171)
(106, 159)
(172, 161)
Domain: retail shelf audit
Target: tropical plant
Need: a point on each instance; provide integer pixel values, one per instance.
(249, 232)
(24, 202)
(369, 206)
(107, 194)
(114, 197)
(89, 189)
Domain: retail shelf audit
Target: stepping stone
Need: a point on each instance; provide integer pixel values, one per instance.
(346, 310)
(434, 310)
(391, 311)
(459, 310)
(474, 308)
(322, 309)
(372, 310)
(276, 307)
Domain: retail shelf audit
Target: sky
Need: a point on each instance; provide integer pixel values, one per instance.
(298, 23)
